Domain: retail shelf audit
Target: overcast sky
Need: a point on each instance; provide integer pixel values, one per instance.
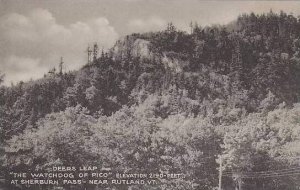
(34, 34)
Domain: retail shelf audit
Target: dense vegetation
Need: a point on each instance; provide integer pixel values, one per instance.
(177, 103)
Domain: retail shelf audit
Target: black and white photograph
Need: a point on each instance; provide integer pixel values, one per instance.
(149, 95)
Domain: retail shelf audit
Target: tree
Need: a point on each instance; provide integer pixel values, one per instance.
(1, 77)
(264, 142)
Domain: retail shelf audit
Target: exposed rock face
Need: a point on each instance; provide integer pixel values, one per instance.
(131, 47)
(173, 62)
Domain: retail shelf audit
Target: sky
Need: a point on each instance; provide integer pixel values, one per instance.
(34, 34)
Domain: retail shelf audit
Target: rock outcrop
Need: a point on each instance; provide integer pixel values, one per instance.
(131, 46)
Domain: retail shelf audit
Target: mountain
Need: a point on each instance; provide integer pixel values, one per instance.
(175, 99)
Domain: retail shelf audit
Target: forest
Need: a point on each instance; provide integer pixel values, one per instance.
(171, 101)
